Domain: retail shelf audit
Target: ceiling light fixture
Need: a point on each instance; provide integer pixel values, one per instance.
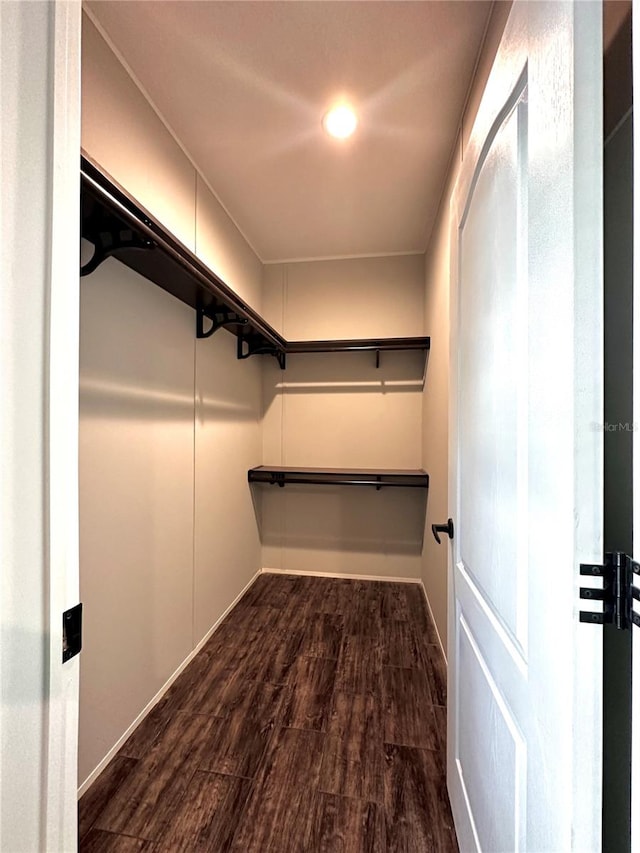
(340, 122)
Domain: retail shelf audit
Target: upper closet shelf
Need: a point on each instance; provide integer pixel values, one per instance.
(278, 476)
(119, 227)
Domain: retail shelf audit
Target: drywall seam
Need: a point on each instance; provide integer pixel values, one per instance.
(283, 409)
(134, 725)
(195, 437)
(193, 485)
(285, 302)
(342, 576)
(145, 94)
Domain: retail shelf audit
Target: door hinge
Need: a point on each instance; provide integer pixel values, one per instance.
(617, 594)
(71, 632)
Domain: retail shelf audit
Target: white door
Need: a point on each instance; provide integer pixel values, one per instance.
(526, 490)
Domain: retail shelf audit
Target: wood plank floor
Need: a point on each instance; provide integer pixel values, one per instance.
(312, 721)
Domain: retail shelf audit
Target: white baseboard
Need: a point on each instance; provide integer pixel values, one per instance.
(134, 725)
(435, 624)
(341, 575)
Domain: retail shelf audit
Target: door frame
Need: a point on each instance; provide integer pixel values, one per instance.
(62, 389)
(39, 303)
(618, 417)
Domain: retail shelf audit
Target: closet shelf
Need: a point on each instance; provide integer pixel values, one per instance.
(369, 344)
(119, 227)
(380, 478)
(376, 345)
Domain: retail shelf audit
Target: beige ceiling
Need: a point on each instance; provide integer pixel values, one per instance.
(244, 85)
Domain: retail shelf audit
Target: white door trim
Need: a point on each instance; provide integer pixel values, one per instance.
(39, 324)
(62, 383)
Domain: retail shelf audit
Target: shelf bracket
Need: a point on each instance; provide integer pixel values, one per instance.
(109, 241)
(220, 316)
(249, 345)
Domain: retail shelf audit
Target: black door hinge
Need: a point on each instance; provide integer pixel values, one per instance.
(71, 632)
(617, 594)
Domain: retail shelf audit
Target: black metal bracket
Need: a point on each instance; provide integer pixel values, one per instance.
(219, 316)
(108, 241)
(249, 345)
(617, 594)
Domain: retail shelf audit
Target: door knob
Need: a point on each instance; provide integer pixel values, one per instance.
(447, 528)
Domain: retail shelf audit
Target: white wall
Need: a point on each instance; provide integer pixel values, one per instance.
(223, 248)
(356, 298)
(137, 354)
(338, 410)
(121, 131)
(435, 413)
(168, 428)
(124, 133)
(228, 443)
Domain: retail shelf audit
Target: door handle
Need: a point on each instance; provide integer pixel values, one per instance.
(447, 528)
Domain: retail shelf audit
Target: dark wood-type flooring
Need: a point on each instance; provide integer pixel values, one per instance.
(312, 720)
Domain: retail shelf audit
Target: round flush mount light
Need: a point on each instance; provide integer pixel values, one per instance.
(340, 122)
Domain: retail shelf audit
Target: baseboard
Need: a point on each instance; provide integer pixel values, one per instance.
(435, 624)
(341, 575)
(134, 725)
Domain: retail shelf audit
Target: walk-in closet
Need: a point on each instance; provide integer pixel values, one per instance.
(253, 490)
(311, 339)
(317, 427)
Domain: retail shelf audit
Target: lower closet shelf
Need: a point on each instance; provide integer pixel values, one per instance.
(412, 478)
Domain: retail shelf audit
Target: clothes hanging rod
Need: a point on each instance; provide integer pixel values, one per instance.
(380, 478)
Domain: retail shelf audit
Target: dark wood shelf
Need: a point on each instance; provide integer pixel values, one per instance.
(359, 345)
(383, 477)
(119, 227)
